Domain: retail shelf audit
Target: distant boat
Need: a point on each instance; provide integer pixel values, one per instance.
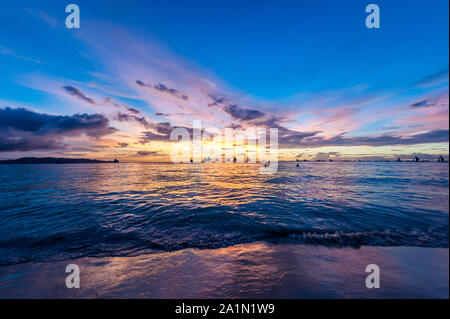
(441, 159)
(234, 159)
(398, 159)
(267, 164)
(416, 159)
(298, 165)
(116, 160)
(330, 160)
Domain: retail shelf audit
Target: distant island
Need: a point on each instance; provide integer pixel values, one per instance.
(54, 160)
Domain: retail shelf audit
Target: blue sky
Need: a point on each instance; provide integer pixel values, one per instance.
(309, 67)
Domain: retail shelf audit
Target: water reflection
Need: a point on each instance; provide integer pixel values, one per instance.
(54, 212)
(257, 270)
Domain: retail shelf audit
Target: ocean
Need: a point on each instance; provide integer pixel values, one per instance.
(62, 212)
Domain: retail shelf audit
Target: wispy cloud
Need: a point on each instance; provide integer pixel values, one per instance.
(78, 94)
(440, 100)
(12, 53)
(433, 79)
(44, 17)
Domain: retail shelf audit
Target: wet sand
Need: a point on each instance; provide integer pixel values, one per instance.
(256, 270)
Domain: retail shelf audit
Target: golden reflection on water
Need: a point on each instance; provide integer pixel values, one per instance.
(229, 184)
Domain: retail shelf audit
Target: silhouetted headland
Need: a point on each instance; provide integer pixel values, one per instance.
(54, 160)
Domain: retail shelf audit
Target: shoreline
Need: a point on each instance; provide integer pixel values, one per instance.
(253, 270)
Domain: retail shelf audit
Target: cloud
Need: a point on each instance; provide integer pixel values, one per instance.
(162, 88)
(123, 117)
(440, 100)
(433, 79)
(216, 100)
(436, 136)
(78, 94)
(122, 145)
(146, 153)
(121, 105)
(133, 110)
(9, 52)
(288, 138)
(44, 17)
(423, 103)
(239, 113)
(160, 132)
(25, 130)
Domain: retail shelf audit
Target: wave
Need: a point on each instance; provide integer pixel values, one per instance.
(95, 243)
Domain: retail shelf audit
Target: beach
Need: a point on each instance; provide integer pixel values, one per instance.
(255, 270)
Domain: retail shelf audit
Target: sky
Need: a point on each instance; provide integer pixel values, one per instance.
(134, 70)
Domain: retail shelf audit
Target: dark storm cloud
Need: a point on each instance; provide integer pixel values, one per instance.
(78, 94)
(241, 114)
(25, 130)
(162, 88)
